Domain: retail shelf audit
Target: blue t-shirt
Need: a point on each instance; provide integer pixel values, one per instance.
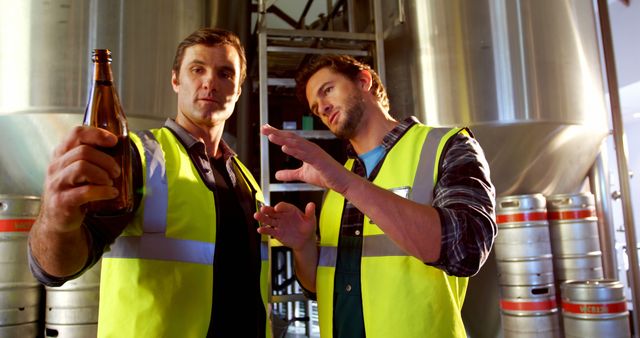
(371, 158)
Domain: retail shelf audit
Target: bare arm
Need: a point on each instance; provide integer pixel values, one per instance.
(59, 254)
(305, 264)
(78, 173)
(412, 226)
(296, 230)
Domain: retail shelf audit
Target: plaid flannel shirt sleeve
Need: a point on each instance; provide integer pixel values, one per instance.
(465, 200)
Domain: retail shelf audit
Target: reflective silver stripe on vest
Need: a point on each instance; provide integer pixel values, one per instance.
(423, 183)
(379, 246)
(156, 200)
(153, 244)
(372, 246)
(328, 256)
(264, 251)
(156, 246)
(422, 192)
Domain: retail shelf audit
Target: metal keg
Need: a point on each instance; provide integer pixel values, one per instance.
(530, 311)
(595, 308)
(521, 209)
(578, 267)
(522, 240)
(541, 326)
(19, 331)
(528, 300)
(529, 271)
(522, 247)
(19, 291)
(575, 244)
(71, 331)
(72, 309)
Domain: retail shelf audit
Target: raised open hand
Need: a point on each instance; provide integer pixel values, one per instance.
(288, 224)
(318, 168)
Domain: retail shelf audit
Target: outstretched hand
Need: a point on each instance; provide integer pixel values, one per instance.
(288, 224)
(318, 168)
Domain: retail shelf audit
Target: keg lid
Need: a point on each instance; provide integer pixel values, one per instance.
(570, 201)
(520, 203)
(16, 205)
(521, 209)
(17, 213)
(592, 290)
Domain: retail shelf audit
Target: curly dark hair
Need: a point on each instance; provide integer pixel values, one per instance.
(343, 64)
(211, 37)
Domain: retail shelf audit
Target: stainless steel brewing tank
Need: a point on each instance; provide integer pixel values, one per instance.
(525, 75)
(45, 71)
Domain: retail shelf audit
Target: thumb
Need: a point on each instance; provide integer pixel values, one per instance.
(310, 210)
(287, 175)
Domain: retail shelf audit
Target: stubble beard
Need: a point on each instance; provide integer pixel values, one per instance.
(353, 116)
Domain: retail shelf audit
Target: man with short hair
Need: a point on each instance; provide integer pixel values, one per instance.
(403, 224)
(187, 262)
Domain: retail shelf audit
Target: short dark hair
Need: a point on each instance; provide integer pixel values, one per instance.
(342, 64)
(211, 37)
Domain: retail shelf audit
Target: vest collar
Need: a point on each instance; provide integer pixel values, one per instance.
(391, 138)
(188, 141)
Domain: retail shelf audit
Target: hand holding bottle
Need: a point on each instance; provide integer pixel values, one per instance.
(90, 172)
(79, 173)
(105, 111)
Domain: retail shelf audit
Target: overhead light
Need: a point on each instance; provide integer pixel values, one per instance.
(636, 115)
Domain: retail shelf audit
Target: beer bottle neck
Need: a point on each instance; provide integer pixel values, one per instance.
(102, 72)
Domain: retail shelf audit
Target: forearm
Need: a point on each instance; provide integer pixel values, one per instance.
(59, 254)
(305, 264)
(415, 228)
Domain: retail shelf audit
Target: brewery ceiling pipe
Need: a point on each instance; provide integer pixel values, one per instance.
(599, 183)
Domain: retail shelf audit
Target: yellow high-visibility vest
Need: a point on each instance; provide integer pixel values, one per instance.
(157, 278)
(401, 295)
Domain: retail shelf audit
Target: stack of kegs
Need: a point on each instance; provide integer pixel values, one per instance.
(575, 243)
(72, 309)
(19, 291)
(525, 268)
(595, 309)
(591, 306)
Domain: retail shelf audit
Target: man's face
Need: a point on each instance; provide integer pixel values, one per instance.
(337, 101)
(208, 85)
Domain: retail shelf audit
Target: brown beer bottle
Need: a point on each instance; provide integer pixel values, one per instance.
(104, 111)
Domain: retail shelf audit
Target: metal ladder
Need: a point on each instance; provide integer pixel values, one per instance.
(280, 53)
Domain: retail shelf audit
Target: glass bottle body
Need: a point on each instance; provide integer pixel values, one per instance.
(105, 111)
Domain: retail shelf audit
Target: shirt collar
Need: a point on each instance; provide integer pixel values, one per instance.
(188, 141)
(389, 140)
